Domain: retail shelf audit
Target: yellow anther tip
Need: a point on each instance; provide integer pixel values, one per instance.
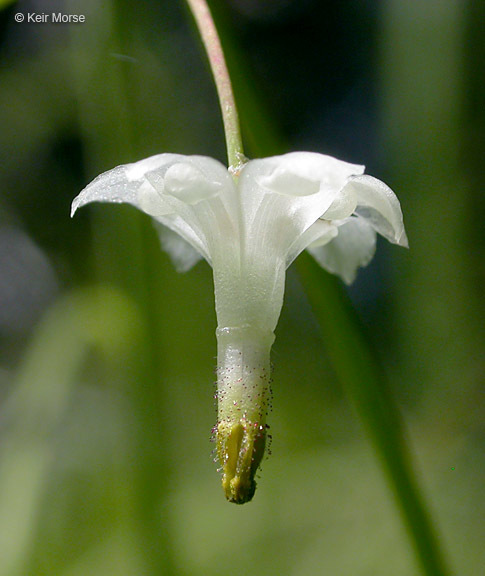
(240, 447)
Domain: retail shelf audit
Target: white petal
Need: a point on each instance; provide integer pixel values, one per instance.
(183, 255)
(343, 206)
(303, 173)
(353, 247)
(127, 184)
(378, 204)
(282, 196)
(323, 231)
(279, 200)
(203, 198)
(194, 196)
(319, 233)
(149, 183)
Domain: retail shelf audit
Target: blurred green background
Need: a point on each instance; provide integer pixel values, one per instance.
(107, 355)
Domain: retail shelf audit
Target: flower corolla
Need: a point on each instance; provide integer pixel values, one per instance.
(250, 225)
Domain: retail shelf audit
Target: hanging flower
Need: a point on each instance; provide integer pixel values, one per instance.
(250, 226)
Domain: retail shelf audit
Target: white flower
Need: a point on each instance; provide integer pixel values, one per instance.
(250, 227)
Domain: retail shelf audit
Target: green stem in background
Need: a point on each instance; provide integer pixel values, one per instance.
(213, 48)
(359, 371)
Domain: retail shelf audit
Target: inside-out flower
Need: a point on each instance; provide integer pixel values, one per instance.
(250, 227)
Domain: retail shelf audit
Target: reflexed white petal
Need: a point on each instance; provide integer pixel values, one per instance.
(343, 206)
(319, 233)
(324, 232)
(194, 196)
(203, 199)
(311, 167)
(183, 255)
(303, 173)
(188, 231)
(111, 186)
(282, 196)
(352, 248)
(127, 184)
(142, 184)
(378, 204)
